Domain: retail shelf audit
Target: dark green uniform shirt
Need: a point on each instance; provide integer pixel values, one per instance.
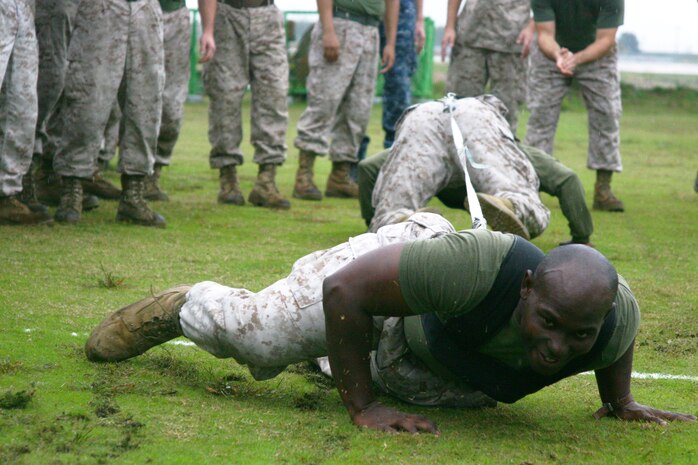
(375, 8)
(576, 21)
(168, 6)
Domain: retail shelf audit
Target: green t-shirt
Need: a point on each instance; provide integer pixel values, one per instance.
(375, 8)
(576, 21)
(169, 6)
(451, 275)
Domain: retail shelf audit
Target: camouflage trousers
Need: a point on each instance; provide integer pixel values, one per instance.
(340, 94)
(115, 50)
(424, 161)
(18, 102)
(285, 323)
(54, 25)
(250, 50)
(471, 69)
(600, 84)
(397, 82)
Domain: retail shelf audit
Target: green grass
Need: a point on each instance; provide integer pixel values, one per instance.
(177, 404)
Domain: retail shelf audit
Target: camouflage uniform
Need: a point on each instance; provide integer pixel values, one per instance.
(115, 45)
(424, 134)
(600, 84)
(397, 87)
(485, 51)
(18, 101)
(250, 49)
(340, 94)
(285, 323)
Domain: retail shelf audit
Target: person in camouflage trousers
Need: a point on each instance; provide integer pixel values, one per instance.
(397, 84)
(18, 108)
(342, 59)
(505, 180)
(577, 43)
(490, 42)
(116, 50)
(251, 51)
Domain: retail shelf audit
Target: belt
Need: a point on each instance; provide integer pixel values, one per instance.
(247, 3)
(366, 20)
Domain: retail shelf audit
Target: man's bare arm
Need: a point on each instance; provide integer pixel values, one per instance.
(614, 389)
(604, 42)
(351, 297)
(330, 42)
(207, 45)
(449, 37)
(419, 35)
(390, 19)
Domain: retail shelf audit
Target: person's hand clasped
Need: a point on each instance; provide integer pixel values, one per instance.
(390, 420)
(566, 62)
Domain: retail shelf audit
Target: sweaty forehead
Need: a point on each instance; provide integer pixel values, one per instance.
(573, 294)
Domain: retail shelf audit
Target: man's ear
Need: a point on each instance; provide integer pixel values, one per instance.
(526, 285)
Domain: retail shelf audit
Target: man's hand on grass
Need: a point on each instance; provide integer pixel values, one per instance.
(390, 420)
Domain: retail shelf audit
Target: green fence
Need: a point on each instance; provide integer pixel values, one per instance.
(297, 45)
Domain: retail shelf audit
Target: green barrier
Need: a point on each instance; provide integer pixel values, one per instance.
(196, 89)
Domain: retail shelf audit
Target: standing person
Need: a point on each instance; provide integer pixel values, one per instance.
(176, 30)
(19, 65)
(577, 42)
(397, 84)
(116, 51)
(342, 59)
(251, 51)
(491, 40)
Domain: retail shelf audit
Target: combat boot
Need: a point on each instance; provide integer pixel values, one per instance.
(48, 184)
(500, 215)
(14, 212)
(138, 327)
(230, 187)
(340, 184)
(28, 194)
(101, 187)
(133, 207)
(305, 188)
(604, 200)
(265, 193)
(152, 186)
(70, 208)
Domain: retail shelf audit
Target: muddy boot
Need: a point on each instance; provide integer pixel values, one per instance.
(604, 200)
(14, 212)
(47, 184)
(70, 208)
(28, 194)
(230, 187)
(265, 193)
(133, 207)
(100, 187)
(339, 184)
(89, 202)
(500, 215)
(152, 186)
(305, 188)
(137, 327)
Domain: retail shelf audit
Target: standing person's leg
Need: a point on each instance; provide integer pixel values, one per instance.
(600, 83)
(467, 71)
(327, 86)
(176, 29)
(354, 112)
(508, 83)
(140, 98)
(226, 77)
(545, 90)
(367, 171)
(269, 112)
(18, 108)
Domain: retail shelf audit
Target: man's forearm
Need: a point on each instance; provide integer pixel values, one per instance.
(614, 381)
(390, 19)
(605, 41)
(324, 9)
(420, 10)
(452, 13)
(207, 10)
(546, 40)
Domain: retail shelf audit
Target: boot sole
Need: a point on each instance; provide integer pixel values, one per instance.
(120, 218)
(601, 208)
(340, 195)
(300, 196)
(501, 220)
(260, 202)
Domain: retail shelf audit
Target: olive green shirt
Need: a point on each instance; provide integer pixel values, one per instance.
(169, 6)
(375, 8)
(451, 275)
(576, 21)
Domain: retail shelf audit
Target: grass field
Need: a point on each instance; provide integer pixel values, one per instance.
(179, 405)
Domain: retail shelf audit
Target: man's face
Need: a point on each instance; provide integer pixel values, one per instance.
(556, 326)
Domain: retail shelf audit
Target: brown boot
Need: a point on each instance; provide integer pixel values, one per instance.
(305, 188)
(230, 187)
(265, 193)
(70, 208)
(14, 212)
(100, 187)
(604, 200)
(28, 194)
(136, 328)
(133, 207)
(500, 215)
(152, 186)
(340, 184)
(48, 184)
